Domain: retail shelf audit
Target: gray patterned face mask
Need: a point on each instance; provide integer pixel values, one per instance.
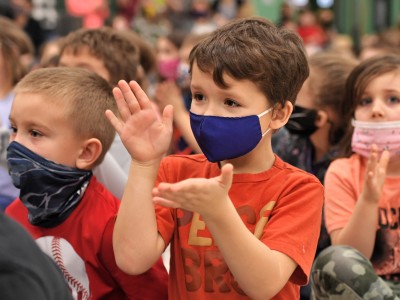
(49, 191)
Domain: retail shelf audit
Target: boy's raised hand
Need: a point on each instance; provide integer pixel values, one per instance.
(201, 195)
(145, 137)
(375, 174)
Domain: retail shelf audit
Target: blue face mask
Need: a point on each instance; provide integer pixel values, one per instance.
(222, 138)
(49, 191)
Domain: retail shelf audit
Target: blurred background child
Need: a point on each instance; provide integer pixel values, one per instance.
(311, 137)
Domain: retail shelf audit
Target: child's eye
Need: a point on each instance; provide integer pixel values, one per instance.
(365, 101)
(35, 133)
(198, 97)
(13, 129)
(393, 100)
(231, 103)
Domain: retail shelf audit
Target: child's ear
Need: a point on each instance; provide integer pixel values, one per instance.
(90, 152)
(322, 118)
(280, 115)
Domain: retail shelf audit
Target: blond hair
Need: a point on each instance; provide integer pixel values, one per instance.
(85, 94)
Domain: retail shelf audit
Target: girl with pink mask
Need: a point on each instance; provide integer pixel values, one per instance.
(167, 55)
(362, 194)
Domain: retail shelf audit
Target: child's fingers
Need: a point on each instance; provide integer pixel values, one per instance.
(115, 122)
(383, 162)
(373, 158)
(227, 175)
(166, 203)
(372, 161)
(163, 189)
(140, 95)
(163, 195)
(167, 116)
(129, 96)
(123, 108)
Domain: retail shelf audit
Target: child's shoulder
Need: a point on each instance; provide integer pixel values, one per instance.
(287, 170)
(344, 165)
(97, 192)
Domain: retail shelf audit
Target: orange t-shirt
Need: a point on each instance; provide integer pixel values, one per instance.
(344, 181)
(281, 206)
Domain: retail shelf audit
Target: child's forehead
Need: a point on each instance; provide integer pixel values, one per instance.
(36, 108)
(232, 87)
(226, 77)
(384, 80)
(33, 99)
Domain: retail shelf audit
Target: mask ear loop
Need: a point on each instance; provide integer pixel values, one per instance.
(263, 114)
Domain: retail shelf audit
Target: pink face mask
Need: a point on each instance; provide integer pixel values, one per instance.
(385, 135)
(168, 69)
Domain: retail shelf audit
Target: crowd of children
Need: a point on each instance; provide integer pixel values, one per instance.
(225, 162)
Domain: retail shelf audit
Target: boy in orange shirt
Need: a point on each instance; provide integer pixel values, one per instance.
(242, 223)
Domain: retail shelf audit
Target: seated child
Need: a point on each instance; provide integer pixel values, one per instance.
(311, 137)
(242, 223)
(59, 134)
(362, 195)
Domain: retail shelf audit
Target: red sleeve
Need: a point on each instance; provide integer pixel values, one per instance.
(152, 284)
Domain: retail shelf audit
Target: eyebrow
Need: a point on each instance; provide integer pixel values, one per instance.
(194, 86)
(29, 124)
(392, 90)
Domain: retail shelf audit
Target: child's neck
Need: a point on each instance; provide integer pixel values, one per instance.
(321, 144)
(251, 163)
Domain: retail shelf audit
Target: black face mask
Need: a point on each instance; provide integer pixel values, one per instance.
(302, 121)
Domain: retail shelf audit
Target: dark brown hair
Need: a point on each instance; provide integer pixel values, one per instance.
(255, 49)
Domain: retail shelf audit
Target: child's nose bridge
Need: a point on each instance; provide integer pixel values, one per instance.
(378, 108)
(212, 109)
(14, 136)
